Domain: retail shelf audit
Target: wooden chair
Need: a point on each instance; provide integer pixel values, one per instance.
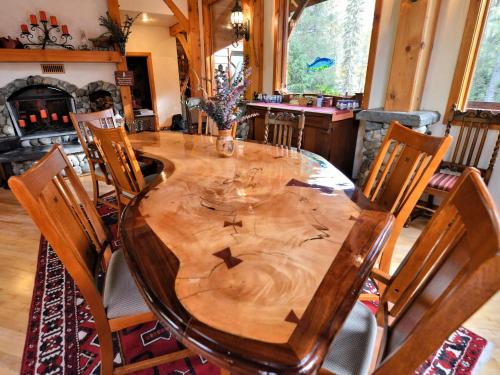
(451, 271)
(69, 221)
(284, 124)
(472, 128)
(120, 159)
(401, 170)
(98, 171)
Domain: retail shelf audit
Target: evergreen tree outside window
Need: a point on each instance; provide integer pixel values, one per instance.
(485, 87)
(335, 29)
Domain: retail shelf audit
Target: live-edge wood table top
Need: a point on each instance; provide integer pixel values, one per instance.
(254, 260)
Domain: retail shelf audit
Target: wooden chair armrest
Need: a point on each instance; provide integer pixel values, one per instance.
(381, 276)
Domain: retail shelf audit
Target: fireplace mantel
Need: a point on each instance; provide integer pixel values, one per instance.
(54, 55)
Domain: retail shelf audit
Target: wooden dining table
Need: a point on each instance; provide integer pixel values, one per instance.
(252, 261)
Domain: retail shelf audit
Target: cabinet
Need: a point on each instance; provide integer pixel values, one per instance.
(328, 132)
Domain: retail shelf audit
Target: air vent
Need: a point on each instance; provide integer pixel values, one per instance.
(52, 68)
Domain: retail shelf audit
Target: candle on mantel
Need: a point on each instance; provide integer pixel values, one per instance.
(65, 119)
(65, 29)
(53, 20)
(54, 117)
(43, 16)
(33, 118)
(22, 123)
(24, 28)
(43, 113)
(33, 20)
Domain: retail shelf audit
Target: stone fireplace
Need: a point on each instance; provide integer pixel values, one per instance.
(40, 110)
(34, 115)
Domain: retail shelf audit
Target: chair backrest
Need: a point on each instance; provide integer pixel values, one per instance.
(103, 119)
(67, 218)
(451, 271)
(472, 127)
(120, 159)
(401, 171)
(284, 124)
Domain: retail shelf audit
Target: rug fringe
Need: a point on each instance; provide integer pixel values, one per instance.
(484, 357)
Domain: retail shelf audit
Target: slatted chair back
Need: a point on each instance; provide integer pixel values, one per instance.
(120, 160)
(451, 271)
(103, 119)
(284, 125)
(97, 167)
(472, 129)
(65, 215)
(401, 170)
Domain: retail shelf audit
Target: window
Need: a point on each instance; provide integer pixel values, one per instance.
(476, 83)
(485, 86)
(328, 47)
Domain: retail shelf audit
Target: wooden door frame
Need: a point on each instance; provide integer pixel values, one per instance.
(152, 88)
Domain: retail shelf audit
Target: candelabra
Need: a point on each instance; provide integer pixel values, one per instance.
(45, 35)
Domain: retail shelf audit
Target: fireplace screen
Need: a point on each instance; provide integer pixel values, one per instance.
(41, 110)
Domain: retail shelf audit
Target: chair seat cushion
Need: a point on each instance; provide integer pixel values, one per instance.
(121, 296)
(352, 349)
(443, 181)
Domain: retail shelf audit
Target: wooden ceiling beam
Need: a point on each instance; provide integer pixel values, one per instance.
(184, 43)
(194, 41)
(302, 4)
(125, 91)
(412, 51)
(176, 29)
(183, 20)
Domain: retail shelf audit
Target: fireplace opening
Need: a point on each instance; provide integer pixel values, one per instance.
(41, 110)
(100, 100)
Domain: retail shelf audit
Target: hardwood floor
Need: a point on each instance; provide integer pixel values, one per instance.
(19, 241)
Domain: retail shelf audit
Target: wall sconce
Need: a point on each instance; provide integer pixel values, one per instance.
(240, 27)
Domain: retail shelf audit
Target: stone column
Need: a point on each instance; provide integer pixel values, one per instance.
(373, 128)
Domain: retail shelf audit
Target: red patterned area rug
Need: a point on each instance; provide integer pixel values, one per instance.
(62, 338)
(460, 354)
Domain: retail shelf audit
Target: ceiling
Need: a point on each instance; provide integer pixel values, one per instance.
(150, 19)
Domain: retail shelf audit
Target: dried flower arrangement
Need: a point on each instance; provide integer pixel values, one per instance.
(228, 105)
(118, 34)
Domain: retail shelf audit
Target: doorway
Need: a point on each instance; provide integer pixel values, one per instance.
(143, 90)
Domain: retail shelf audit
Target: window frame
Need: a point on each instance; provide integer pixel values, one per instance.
(281, 33)
(475, 22)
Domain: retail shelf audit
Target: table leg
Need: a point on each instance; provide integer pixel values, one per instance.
(5, 174)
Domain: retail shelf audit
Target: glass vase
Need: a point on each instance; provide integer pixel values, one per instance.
(225, 143)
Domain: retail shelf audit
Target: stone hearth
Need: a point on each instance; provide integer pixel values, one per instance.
(69, 139)
(376, 122)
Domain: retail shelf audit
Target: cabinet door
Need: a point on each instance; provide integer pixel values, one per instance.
(317, 138)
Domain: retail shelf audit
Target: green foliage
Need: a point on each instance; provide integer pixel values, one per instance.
(336, 29)
(227, 106)
(486, 81)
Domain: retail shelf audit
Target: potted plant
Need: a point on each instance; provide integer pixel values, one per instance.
(227, 107)
(118, 35)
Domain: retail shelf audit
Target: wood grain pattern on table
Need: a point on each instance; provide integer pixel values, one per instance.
(260, 255)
